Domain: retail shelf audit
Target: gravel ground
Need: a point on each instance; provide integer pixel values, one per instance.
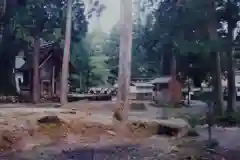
(151, 149)
(228, 138)
(148, 151)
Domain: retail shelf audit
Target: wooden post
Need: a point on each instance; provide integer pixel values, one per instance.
(53, 81)
(189, 90)
(124, 73)
(66, 55)
(173, 80)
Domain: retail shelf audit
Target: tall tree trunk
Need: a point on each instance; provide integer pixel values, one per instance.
(217, 84)
(36, 78)
(161, 64)
(3, 9)
(7, 52)
(212, 29)
(66, 56)
(231, 72)
(167, 59)
(173, 79)
(87, 81)
(230, 65)
(124, 73)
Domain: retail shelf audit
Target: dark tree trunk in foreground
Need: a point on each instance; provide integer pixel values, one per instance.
(217, 85)
(7, 52)
(36, 80)
(231, 101)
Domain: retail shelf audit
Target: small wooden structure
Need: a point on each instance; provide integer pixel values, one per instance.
(49, 68)
(165, 90)
(139, 90)
(143, 90)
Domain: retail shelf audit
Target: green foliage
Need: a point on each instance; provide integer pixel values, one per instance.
(193, 119)
(228, 119)
(182, 30)
(7, 51)
(142, 66)
(90, 61)
(80, 59)
(99, 69)
(111, 49)
(46, 19)
(170, 29)
(22, 22)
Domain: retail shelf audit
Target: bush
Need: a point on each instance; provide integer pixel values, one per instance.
(226, 120)
(229, 119)
(193, 119)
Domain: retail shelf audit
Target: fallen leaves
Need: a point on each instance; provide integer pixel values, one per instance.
(9, 140)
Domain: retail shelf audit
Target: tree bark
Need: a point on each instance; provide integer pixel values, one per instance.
(167, 59)
(36, 80)
(66, 56)
(231, 101)
(173, 80)
(217, 85)
(87, 81)
(124, 73)
(3, 9)
(7, 52)
(231, 72)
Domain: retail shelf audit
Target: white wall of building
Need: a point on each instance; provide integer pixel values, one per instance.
(19, 62)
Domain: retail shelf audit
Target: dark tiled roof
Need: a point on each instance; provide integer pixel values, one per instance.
(45, 51)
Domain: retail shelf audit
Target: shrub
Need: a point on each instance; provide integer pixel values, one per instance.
(229, 119)
(193, 119)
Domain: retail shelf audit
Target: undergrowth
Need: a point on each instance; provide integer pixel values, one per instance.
(227, 120)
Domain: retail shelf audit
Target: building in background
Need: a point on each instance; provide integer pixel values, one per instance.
(165, 91)
(142, 90)
(49, 69)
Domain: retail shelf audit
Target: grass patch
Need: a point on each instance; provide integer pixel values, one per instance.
(193, 119)
(228, 119)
